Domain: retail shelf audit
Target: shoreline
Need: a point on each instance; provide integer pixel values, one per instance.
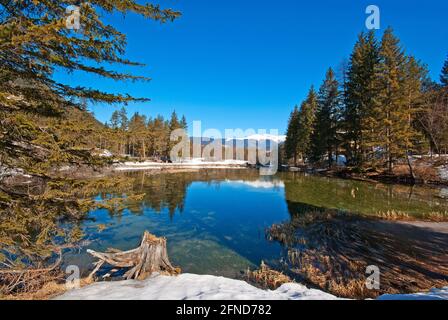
(151, 165)
(375, 178)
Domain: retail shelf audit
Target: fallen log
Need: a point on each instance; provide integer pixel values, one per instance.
(151, 256)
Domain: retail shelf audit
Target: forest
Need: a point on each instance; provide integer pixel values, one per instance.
(379, 109)
(141, 137)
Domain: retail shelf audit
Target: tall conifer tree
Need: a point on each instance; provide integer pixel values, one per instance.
(307, 118)
(393, 109)
(324, 139)
(359, 96)
(291, 135)
(444, 74)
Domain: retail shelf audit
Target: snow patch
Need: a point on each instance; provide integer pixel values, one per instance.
(262, 137)
(205, 287)
(443, 173)
(191, 287)
(186, 164)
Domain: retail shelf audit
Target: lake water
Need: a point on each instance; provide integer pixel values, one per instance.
(215, 220)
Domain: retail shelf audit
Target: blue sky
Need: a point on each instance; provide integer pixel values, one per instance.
(246, 63)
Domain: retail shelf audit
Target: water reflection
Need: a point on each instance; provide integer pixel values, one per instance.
(216, 220)
(360, 197)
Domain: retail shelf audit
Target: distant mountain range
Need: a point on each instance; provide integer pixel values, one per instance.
(252, 138)
(264, 137)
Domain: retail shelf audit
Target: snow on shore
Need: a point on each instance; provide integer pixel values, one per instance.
(190, 164)
(203, 287)
(262, 137)
(191, 287)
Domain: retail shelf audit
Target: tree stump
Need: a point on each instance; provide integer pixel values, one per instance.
(150, 257)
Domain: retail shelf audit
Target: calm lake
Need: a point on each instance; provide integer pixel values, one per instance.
(215, 220)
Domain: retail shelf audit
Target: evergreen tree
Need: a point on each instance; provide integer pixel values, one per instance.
(174, 121)
(324, 139)
(359, 96)
(115, 120)
(34, 43)
(444, 74)
(183, 123)
(307, 117)
(138, 135)
(172, 125)
(161, 131)
(393, 114)
(123, 119)
(291, 135)
(415, 84)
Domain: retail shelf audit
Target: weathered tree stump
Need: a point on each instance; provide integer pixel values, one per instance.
(150, 257)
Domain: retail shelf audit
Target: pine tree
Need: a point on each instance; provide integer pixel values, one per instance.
(183, 123)
(393, 128)
(123, 119)
(291, 135)
(115, 120)
(174, 121)
(161, 130)
(359, 96)
(307, 117)
(34, 43)
(415, 83)
(444, 74)
(172, 125)
(324, 139)
(138, 135)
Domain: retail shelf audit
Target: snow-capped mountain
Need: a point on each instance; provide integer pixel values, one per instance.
(263, 137)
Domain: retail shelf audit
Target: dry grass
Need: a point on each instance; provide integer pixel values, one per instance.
(393, 215)
(423, 171)
(28, 281)
(267, 278)
(48, 291)
(331, 250)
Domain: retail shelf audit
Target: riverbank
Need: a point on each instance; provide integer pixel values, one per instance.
(18, 178)
(425, 174)
(421, 170)
(205, 287)
(193, 164)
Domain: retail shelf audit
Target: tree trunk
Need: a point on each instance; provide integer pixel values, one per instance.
(150, 257)
(411, 170)
(144, 150)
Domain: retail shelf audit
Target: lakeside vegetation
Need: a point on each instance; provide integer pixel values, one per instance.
(377, 111)
(331, 249)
